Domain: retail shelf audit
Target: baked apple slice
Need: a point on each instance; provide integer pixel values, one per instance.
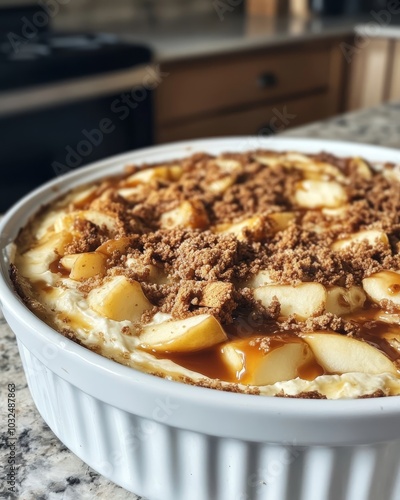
(84, 265)
(162, 173)
(253, 225)
(304, 300)
(319, 194)
(383, 286)
(186, 335)
(262, 278)
(281, 220)
(119, 299)
(251, 365)
(37, 259)
(114, 245)
(188, 214)
(371, 236)
(339, 354)
(341, 301)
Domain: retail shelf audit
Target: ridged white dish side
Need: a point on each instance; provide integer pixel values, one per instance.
(161, 462)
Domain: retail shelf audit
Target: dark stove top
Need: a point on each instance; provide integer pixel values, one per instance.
(51, 57)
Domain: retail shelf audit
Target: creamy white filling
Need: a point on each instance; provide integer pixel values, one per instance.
(107, 336)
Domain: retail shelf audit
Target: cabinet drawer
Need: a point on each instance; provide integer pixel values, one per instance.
(201, 87)
(262, 120)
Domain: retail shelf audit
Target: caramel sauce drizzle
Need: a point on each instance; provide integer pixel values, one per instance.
(210, 362)
(57, 268)
(43, 286)
(372, 331)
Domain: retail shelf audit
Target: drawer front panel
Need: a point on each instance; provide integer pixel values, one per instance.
(262, 120)
(201, 87)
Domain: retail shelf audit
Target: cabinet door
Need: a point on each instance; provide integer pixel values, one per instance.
(222, 84)
(263, 120)
(394, 93)
(369, 73)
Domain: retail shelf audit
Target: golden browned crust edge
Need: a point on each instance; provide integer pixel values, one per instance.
(377, 394)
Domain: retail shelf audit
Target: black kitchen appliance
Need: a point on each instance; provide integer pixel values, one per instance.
(327, 7)
(44, 129)
(347, 7)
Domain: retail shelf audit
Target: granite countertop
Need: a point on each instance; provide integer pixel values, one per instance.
(46, 469)
(212, 36)
(380, 125)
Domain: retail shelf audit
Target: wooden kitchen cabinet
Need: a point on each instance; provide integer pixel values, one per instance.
(374, 74)
(247, 92)
(394, 89)
(368, 76)
(263, 120)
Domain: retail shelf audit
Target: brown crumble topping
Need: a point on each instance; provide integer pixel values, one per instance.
(296, 254)
(389, 306)
(216, 384)
(377, 394)
(205, 270)
(325, 321)
(303, 395)
(191, 258)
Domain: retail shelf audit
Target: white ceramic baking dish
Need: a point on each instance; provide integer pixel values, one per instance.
(169, 441)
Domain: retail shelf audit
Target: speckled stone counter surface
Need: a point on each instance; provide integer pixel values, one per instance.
(379, 125)
(45, 468)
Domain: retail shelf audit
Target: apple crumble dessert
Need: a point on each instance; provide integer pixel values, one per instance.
(263, 272)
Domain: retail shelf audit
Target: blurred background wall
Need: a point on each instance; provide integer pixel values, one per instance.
(96, 13)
